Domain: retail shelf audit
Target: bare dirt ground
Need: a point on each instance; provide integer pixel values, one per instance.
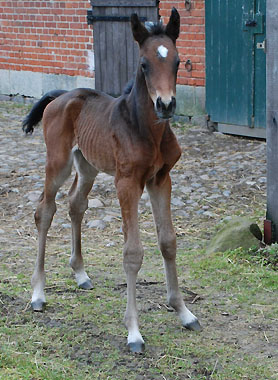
(217, 177)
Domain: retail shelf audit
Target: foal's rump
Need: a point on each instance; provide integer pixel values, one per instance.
(81, 117)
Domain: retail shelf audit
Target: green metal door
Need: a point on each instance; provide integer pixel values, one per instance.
(236, 65)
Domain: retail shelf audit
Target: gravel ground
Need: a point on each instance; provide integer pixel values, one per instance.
(217, 176)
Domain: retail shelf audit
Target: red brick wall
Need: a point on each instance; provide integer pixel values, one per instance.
(52, 36)
(45, 36)
(191, 43)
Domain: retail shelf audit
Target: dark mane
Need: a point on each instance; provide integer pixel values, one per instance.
(128, 87)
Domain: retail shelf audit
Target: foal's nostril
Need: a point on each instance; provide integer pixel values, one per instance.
(159, 104)
(172, 105)
(166, 109)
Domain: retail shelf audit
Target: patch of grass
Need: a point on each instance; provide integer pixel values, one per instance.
(239, 278)
(267, 256)
(81, 334)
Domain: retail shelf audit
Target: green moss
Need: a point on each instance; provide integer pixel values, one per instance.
(238, 232)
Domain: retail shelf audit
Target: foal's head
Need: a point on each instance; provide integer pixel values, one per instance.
(159, 61)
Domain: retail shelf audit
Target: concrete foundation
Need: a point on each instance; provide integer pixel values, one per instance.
(26, 86)
(32, 84)
(191, 105)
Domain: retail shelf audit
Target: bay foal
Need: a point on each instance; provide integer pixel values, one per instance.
(130, 138)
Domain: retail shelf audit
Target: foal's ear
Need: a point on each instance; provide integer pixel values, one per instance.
(173, 26)
(140, 33)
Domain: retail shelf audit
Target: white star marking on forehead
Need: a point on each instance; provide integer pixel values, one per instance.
(162, 51)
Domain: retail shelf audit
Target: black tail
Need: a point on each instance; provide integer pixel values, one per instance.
(35, 115)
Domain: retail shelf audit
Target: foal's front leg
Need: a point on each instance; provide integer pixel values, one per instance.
(159, 190)
(129, 193)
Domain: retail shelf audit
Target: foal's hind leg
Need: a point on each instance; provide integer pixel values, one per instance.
(56, 172)
(160, 195)
(78, 205)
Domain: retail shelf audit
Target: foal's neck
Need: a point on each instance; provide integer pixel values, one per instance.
(142, 110)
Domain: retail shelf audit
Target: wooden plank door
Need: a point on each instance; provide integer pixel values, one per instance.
(116, 53)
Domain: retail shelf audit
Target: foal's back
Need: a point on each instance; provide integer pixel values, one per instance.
(79, 105)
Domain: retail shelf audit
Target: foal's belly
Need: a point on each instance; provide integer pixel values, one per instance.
(103, 167)
(100, 160)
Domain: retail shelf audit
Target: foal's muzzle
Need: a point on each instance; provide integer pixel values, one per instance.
(163, 110)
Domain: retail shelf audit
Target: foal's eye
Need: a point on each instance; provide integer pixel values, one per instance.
(144, 67)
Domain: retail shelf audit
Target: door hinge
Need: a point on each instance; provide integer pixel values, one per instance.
(91, 18)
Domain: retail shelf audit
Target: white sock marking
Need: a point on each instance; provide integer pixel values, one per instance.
(38, 293)
(187, 317)
(134, 336)
(81, 277)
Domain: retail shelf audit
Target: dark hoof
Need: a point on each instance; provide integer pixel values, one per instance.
(137, 347)
(38, 305)
(194, 326)
(87, 285)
